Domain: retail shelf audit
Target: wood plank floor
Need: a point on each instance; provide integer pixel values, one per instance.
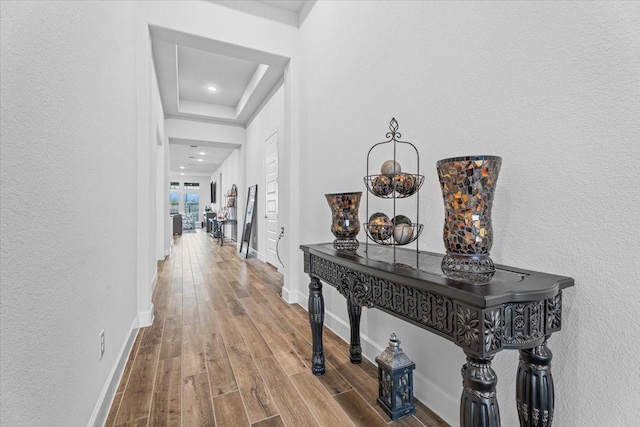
(225, 350)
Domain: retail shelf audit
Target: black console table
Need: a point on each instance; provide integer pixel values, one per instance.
(516, 309)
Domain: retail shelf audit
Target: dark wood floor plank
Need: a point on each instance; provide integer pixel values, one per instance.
(358, 410)
(222, 284)
(427, 416)
(236, 308)
(229, 410)
(240, 289)
(290, 403)
(192, 351)
(202, 296)
(406, 421)
(197, 407)
(176, 282)
(333, 382)
(167, 395)
(325, 409)
(221, 377)
(174, 305)
(140, 422)
(255, 395)
(130, 360)
(270, 422)
(111, 418)
(208, 319)
(252, 337)
(189, 310)
(289, 359)
(301, 346)
(258, 316)
(228, 327)
(198, 277)
(277, 318)
(355, 375)
(171, 345)
(216, 297)
(257, 292)
(153, 334)
(136, 401)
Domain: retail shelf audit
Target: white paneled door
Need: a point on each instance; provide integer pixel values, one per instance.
(271, 197)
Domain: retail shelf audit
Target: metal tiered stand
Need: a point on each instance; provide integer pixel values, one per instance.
(393, 184)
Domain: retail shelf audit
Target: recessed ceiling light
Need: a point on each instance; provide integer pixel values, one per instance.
(181, 167)
(202, 153)
(182, 173)
(212, 88)
(200, 160)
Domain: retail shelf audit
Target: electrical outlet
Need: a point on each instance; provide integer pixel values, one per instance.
(101, 344)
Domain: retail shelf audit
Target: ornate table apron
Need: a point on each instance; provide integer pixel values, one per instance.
(482, 319)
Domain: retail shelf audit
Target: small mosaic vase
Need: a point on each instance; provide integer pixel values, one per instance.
(345, 224)
(468, 186)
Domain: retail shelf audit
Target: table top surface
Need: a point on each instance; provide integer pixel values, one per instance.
(422, 270)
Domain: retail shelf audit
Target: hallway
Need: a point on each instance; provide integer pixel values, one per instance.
(225, 350)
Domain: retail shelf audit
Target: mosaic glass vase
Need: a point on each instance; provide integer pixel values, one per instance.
(468, 186)
(345, 224)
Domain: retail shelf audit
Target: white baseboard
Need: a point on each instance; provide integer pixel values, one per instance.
(145, 318)
(154, 281)
(290, 297)
(297, 297)
(101, 411)
(257, 254)
(443, 404)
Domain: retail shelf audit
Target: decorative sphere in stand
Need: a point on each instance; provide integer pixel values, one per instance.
(400, 219)
(390, 167)
(380, 227)
(402, 233)
(404, 183)
(382, 185)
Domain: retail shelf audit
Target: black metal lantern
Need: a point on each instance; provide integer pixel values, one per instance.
(395, 380)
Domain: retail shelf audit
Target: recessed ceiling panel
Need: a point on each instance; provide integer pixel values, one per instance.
(198, 69)
(193, 157)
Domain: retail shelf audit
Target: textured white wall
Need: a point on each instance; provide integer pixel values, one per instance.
(553, 88)
(68, 168)
(267, 121)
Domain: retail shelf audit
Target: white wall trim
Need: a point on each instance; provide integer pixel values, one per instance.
(257, 254)
(154, 281)
(296, 297)
(101, 411)
(145, 318)
(438, 400)
(291, 297)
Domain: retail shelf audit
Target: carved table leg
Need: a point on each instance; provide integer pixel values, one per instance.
(534, 387)
(355, 350)
(316, 319)
(478, 405)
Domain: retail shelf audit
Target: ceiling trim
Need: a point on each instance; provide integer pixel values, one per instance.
(203, 143)
(269, 71)
(217, 46)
